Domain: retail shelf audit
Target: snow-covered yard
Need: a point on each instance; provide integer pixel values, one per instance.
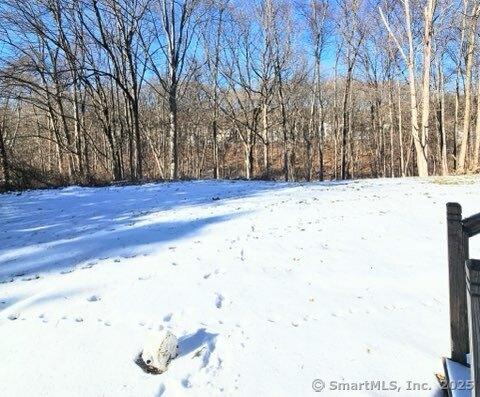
(268, 286)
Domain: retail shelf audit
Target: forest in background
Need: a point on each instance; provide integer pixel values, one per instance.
(96, 91)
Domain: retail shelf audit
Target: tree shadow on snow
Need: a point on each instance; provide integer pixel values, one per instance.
(54, 230)
(15, 304)
(90, 248)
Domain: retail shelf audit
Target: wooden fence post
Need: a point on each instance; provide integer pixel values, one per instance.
(457, 255)
(473, 303)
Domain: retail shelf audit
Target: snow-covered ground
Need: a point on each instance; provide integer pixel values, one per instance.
(269, 286)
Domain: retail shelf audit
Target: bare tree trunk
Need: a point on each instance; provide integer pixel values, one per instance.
(345, 127)
(391, 117)
(441, 121)
(427, 56)
(3, 153)
(214, 70)
(216, 172)
(472, 32)
(335, 117)
(400, 132)
(248, 166)
(456, 120)
(286, 143)
(266, 141)
(419, 132)
(476, 151)
(321, 135)
(173, 135)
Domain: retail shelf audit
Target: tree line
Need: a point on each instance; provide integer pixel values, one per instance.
(94, 91)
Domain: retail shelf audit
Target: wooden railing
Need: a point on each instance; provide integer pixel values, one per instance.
(464, 279)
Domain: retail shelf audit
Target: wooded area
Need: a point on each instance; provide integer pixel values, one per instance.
(93, 91)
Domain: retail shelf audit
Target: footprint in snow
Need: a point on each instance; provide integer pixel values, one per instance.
(30, 278)
(89, 265)
(168, 317)
(161, 390)
(219, 301)
(186, 382)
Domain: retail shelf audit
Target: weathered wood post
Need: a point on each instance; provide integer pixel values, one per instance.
(473, 304)
(457, 255)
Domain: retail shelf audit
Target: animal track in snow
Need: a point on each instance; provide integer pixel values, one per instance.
(186, 382)
(13, 316)
(30, 278)
(89, 265)
(161, 390)
(219, 301)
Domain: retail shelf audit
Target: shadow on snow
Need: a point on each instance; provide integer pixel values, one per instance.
(54, 230)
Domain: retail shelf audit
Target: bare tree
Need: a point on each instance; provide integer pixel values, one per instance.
(179, 20)
(419, 128)
(473, 13)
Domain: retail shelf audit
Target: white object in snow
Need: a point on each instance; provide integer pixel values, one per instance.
(159, 349)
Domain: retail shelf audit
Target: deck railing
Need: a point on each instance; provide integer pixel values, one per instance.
(464, 280)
